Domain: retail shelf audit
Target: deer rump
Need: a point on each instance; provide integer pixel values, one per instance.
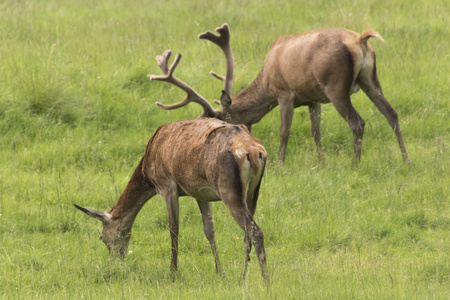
(204, 163)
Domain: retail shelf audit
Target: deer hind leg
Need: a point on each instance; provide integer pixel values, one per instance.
(347, 111)
(251, 205)
(247, 249)
(208, 227)
(314, 115)
(233, 190)
(252, 201)
(171, 198)
(253, 234)
(372, 88)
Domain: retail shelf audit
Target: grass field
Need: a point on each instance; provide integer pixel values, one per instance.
(77, 110)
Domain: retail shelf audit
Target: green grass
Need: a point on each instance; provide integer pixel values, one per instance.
(77, 110)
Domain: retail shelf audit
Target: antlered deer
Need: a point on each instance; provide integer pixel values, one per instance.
(311, 69)
(205, 158)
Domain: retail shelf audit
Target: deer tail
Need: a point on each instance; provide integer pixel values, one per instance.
(368, 34)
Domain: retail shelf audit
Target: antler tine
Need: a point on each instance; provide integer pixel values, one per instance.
(192, 95)
(223, 41)
(220, 77)
(163, 61)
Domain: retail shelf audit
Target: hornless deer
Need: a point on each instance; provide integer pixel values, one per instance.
(311, 68)
(205, 158)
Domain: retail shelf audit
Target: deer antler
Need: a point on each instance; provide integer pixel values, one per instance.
(220, 77)
(223, 41)
(192, 95)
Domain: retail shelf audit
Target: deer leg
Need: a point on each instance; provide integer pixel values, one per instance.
(356, 123)
(314, 115)
(233, 195)
(206, 211)
(253, 234)
(287, 112)
(247, 249)
(251, 205)
(171, 198)
(255, 237)
(374, 92)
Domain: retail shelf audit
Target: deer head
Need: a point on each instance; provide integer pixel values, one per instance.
(114, 235)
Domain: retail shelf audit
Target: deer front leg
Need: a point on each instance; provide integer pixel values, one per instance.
(314, 115)
(208, 227)
(171, 198)
(286, 112)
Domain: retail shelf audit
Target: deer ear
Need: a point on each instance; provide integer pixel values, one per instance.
(225, 101)
(102, 216)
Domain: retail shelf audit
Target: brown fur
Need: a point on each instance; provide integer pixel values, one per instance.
(205, 158)
(309, 69)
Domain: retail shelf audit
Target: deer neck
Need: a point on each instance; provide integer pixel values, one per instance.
(133, 198)
(252, 103)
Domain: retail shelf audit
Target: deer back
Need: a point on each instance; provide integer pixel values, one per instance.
(306, 63)
(203, 157)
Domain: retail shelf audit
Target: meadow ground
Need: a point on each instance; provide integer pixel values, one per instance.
(77, 110)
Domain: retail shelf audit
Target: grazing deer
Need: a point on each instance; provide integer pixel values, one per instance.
(311, 68)
(205, 158)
